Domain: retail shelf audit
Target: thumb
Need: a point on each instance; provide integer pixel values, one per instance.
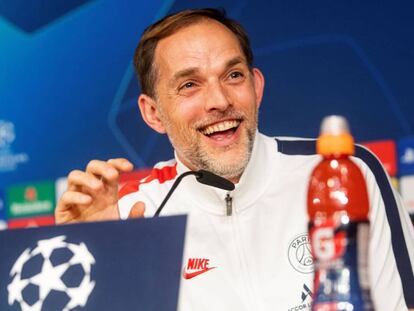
(137, 211)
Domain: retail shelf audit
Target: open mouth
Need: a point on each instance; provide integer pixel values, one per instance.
(221, 130)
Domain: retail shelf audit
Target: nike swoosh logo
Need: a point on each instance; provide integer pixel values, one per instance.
(190, 275)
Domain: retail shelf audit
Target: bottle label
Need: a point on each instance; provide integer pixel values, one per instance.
(340, 251)
(326, 243)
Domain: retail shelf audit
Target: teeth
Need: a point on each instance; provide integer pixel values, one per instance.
(220, 127)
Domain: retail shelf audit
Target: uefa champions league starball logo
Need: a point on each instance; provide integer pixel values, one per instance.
(7, 134)
(54, 270)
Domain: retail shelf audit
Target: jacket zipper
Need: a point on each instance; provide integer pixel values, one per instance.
(229, 205)
(236, 232)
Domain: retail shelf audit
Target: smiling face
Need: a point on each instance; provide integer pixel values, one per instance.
(207, 98)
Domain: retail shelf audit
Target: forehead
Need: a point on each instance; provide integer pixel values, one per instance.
(205, 44)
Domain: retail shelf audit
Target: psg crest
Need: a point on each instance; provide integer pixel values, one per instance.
(299, 254)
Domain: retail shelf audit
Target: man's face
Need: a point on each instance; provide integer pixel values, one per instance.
(207, 98)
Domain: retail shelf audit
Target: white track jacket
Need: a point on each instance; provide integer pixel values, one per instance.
(250, 251)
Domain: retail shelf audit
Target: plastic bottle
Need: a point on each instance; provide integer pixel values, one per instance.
(338, 210)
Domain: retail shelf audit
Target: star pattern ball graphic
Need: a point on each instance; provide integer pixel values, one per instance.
(54, 270)
(7, 134)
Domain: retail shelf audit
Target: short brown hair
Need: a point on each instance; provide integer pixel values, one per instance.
(144, 53)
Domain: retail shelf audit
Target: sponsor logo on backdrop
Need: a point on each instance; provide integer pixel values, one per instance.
(386, 151)
(9, 160)
(299, 254)
(408, 156)
(31, 222)
(31, 199)
(196, 267)
(30, 194)
(53, 268)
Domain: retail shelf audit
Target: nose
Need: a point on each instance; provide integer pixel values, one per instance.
(217, 98)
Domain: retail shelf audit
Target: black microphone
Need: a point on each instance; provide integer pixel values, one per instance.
(202, 176)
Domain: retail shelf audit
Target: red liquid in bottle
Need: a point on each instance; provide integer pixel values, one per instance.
(338, 210)
(337, 186)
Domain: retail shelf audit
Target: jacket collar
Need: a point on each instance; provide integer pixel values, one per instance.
(254, 181)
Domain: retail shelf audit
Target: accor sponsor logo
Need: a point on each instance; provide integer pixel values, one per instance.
(195, 267)
(304, 306)
(306, 297)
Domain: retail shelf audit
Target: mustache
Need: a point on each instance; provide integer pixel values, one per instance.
(216, 116)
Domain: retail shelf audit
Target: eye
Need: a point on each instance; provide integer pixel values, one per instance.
(236, 75)
(187, 85)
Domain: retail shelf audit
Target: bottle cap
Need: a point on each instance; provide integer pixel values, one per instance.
(335, 137)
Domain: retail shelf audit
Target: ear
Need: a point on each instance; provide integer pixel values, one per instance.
(150, 113)
(259, 83)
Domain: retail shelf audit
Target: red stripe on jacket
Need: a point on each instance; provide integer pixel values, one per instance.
(161, 174)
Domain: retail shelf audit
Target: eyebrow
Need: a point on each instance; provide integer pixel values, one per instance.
(185, 73)
(235, 61)
(193, 70)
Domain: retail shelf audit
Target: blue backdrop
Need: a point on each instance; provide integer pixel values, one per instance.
(68, 91)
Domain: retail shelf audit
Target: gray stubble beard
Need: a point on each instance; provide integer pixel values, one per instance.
(201, 159)
(227, 170)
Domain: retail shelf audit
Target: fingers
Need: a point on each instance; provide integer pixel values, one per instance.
(70, 198)
(68, 206)
(121, 164)
(137, 211)
(98, 172)
(81, 180)
(109, 170)
(93, 194)
(103, 170)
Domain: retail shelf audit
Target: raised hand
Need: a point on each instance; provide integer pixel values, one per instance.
(92, 195)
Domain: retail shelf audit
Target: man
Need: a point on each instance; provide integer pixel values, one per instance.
(246, 249)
